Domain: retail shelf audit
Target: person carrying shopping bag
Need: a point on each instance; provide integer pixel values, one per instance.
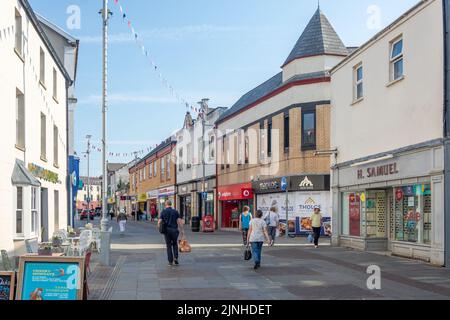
(122, 220)
(244, 223)
(316, 223)
(256, 236)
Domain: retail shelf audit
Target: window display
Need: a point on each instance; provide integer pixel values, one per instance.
(413, 213)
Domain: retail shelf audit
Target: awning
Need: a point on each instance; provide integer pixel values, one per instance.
(21, 176)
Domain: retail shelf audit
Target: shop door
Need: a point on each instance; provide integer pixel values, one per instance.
(228, 208)
(376, 213)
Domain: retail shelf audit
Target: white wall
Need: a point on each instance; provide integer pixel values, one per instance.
(310, 65)
(405, 113)
(25, 76)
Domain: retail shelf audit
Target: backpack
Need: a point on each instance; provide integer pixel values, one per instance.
(267, 219)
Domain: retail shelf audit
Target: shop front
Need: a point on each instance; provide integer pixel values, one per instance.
(304, 194)
(165, 194)
(184, 194)
(142, 206)
(206, 201)
(393, 204)
(152, 203)
(232, 200)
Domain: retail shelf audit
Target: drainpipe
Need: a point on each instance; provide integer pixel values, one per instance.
(446, 12)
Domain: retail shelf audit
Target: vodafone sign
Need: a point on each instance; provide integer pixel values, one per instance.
(236, 192)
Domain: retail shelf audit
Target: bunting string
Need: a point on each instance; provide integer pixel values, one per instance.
(155, 67)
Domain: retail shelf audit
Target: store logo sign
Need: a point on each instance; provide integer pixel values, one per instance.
(310, 201)
(306, 184)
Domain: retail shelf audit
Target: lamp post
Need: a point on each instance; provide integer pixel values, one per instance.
(204, 108)
(105, 234)
(88, 152)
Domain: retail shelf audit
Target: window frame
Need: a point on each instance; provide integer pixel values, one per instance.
(42, 67)
(55, 85)
(34, 211)
(357, 83)
(21, 210)
(394, 59)
(269, 138)
(43, 137)
(308, 146)
(55, 146)
(20, 120)
(286, 133)
(18, 33)
(56, 204)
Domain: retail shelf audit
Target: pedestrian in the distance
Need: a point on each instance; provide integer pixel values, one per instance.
(122, 220)
(316, 223)
(256, 236)
(244, 223)
(272, 219)
(173, 223)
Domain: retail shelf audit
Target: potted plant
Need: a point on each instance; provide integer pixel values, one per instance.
(45, 250)
(57, 241)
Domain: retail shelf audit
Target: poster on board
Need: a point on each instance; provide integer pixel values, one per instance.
(300, 208)
(50, 278)
(7, 283)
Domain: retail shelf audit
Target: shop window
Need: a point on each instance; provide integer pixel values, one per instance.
(308, 130)
(413, 214)
(19, 211)
(351, 214)
(34, 211)
(396, 59)
(374, 219)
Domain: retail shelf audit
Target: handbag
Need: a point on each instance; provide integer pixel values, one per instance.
(163, 227)
(247, 254)
(184, 246)
(310, 238)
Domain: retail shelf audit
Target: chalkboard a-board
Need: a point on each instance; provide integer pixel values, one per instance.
(7, 283)
(50, 278)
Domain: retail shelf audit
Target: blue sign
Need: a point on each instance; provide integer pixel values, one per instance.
(284, 184)
(51, 281)
(204, 195)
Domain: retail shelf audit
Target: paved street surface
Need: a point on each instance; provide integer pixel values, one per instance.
(215, 270)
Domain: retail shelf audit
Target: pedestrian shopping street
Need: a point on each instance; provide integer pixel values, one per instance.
(216, 270)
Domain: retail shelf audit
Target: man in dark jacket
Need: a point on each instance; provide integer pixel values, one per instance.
(172, 219)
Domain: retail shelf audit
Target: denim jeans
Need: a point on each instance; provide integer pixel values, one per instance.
(171, 237)
(256, 252)
(272, 233)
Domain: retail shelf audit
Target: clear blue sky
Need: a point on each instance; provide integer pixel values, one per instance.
(217, 49)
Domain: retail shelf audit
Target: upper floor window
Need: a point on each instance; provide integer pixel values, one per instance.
(42, 67)
(43, 137)
(396, 60)
(163, 168)
(358, 84)
(145, 173)
(286, 131)
(55, 146)
(55, 84)
(150, 173)
(308, 130)
(246, 147)
(18, 34)
(168, 167)
(20, 120)
(269, 138)
(211, 147)
(155, 168)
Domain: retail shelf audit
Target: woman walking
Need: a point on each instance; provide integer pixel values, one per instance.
(316, 223)
(256, 236)
(122, 220)
(244, 223)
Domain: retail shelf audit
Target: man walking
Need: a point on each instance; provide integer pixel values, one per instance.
(172, 221)
(122, 220)
(273, 221)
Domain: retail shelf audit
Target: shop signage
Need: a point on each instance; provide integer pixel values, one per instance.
(7, 283)
(152, 194)
(142, 197)
(169, 191)
(236, 192)
(373, 172)
(50, 278)
(310, 183)
(43, 174)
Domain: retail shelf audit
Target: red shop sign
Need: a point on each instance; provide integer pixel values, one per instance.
(399, 194)
(236, 192)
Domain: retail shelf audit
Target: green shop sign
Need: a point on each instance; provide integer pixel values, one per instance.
(43, 174)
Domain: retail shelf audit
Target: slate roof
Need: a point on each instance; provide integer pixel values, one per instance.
(21, 176)
(318, 38)
(265, 89)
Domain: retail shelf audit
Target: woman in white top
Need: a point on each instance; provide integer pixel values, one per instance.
(256, 236)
